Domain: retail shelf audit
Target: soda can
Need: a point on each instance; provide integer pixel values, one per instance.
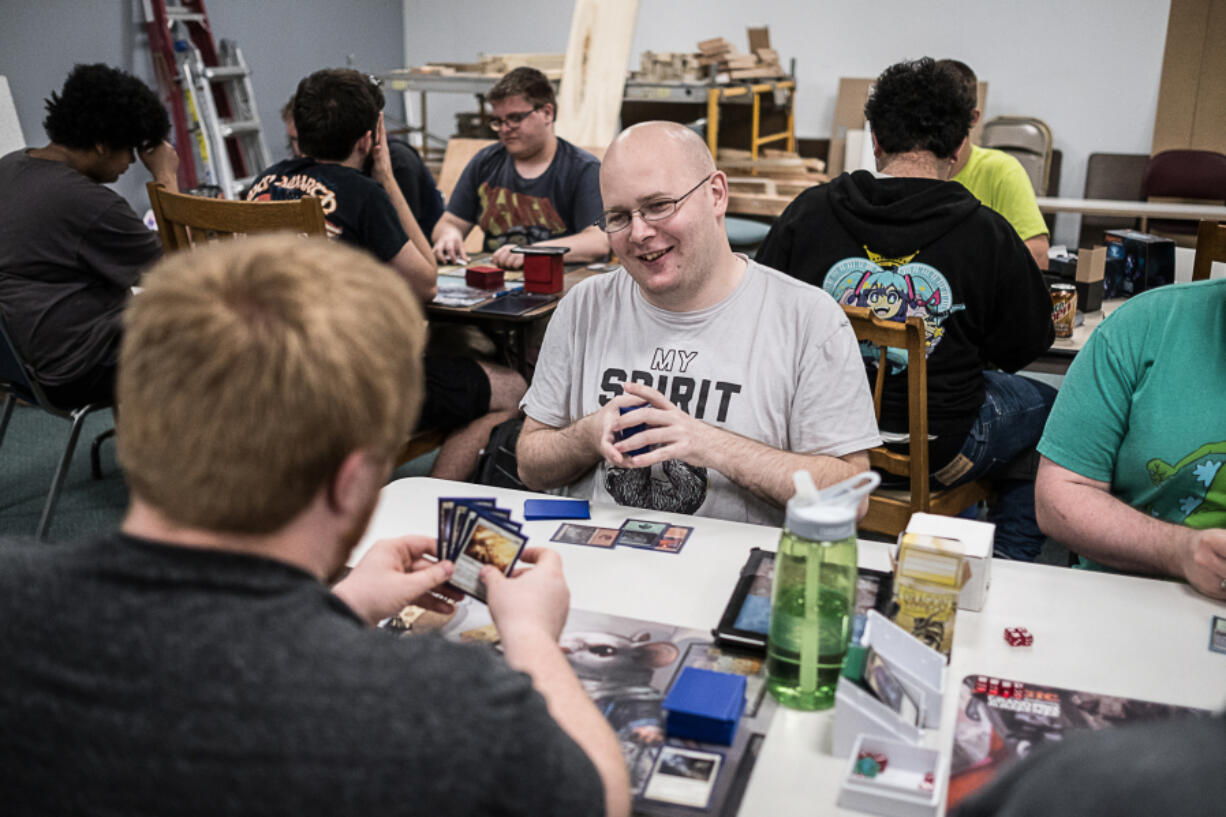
(1063, 308)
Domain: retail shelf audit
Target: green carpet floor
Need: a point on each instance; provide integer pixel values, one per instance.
(28, 455)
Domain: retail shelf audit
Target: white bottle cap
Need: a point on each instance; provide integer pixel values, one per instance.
(828, 515)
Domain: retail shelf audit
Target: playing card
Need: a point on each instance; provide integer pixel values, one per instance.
(585, 535)
(640, 533)
(673, 539)
(489, 541)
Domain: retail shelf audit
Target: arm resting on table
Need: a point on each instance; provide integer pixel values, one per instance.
(1083, 514)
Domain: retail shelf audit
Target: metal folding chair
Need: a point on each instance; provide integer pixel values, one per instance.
(17, 383)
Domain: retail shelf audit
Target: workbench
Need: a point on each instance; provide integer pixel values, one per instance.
(738, 93)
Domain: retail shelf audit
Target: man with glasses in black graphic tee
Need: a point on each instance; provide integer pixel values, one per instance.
(737, 374)
(531, 188)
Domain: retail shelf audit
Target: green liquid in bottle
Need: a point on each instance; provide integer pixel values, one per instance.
(811, 606)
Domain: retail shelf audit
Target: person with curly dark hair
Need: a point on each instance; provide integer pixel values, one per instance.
(70, 248)
(908, 241)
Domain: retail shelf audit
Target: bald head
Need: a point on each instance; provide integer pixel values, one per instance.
(670, 143)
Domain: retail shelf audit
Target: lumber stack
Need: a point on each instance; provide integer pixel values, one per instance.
(762, 61)
(669, 67)
(495, 65)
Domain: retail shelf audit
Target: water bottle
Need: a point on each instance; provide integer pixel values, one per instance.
(814, 592)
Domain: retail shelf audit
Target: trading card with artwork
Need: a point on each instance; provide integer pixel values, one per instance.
(641, 533)
(683, 776)
(584, 535)
(673, 539)
(489, 542)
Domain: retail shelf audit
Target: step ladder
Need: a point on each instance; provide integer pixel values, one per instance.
(212, 104)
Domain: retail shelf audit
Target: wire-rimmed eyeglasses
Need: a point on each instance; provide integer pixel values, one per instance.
(614, 221)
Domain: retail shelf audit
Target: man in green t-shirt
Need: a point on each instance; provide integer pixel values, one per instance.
(1131, 475)
(997, 179)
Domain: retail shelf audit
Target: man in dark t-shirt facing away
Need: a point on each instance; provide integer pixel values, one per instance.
(531, 188)
(412, 176)
(71, 248)
(196, 662)
(337, 114)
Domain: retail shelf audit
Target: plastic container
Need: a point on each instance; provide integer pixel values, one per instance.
(813, 597)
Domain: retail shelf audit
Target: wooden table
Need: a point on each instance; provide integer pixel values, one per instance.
(1059, 357)
(511, 329)
(743, 93)
(1099, 632)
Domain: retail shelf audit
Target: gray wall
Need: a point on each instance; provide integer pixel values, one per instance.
(1090, 69)
(283, 41)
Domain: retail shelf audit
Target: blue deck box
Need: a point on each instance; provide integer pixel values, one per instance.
(704, 705)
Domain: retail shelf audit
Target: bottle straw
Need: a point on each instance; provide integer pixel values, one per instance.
(809, 645)
(848, 492)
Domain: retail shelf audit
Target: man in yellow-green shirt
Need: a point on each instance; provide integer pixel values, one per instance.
(998, 180)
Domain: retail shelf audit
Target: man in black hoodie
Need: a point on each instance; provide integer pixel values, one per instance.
(913, 243)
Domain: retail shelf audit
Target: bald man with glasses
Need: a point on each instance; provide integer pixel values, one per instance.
(532, 188)
(691, 380)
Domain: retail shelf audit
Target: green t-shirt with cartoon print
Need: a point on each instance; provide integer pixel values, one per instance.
(1143, 406)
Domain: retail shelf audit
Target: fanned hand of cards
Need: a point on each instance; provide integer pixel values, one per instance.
(474, 532)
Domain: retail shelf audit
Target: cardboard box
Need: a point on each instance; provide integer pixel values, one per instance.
(1144, 262)
(974, 540)
(1088, 278)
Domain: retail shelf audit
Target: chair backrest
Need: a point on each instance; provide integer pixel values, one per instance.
(457, 156)
(1115, 176)
(1210, 247)
(909, 336)
(1185, 174)
(1027, 139)
(183, 221)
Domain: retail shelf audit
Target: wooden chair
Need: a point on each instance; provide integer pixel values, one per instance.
(1210, 247)
(890, 509)
(178, 216)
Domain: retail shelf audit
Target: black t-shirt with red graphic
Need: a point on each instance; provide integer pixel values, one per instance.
(563, 200)
(357, 209)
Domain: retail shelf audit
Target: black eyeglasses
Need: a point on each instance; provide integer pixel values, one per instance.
(614, 221)
(512, 119)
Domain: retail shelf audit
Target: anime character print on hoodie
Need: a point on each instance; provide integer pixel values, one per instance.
(909, 246)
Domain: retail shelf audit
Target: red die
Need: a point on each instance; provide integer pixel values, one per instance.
(981, 684)
(930, 782)
(1018, 637)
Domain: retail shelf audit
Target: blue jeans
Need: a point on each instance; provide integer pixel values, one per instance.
(1010, 422)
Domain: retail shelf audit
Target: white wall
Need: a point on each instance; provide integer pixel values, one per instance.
(282, 40)
(1090, 69)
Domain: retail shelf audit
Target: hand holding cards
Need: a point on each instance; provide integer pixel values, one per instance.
(473, 533)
